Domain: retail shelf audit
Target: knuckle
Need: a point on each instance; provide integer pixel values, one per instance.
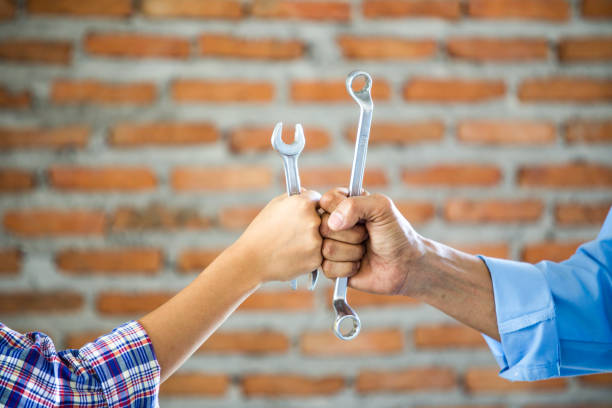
(327, 248)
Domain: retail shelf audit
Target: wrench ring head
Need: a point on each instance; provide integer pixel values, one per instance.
(293, 149)
(363, 96)
(354, 330)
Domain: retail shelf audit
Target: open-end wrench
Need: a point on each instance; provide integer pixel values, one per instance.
(290, 154)
(363, 97)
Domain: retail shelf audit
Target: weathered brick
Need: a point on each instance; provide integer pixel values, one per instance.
(123, 303)
(285, 384)
(487, 380)
(143, 261)
(299, 300)
(416, 211)
(453, 90)
(221, 178)
(551, 10)
(15, 180)
(498, 49)
(10, 261)
(312, 177)
(238, 217)
(36, 51)
(330, 91)
(14, 99)
(373, 342)
(196, 260)
(195, 90)
(597, 380)
(74, 136)
(106, 8)
(585, 49)
(568, 175)
(596, 9)
(217, 45)
(487, 211)
(445, 9)
(102, 178)
(302, 10)
(54, 222)
(565, 89)
(588, 131)
(222, 9)
(386, 48)
(358, 298)
(65, 91)
(581, 214)
(412, 379)
(137, 45)
(257, 138)
(163, 134)
(183, 384)
(494, 250)
(157, 217)
(549, 251)
(445, 336)
(20, 302)
(500, 132)
(7, 9)
(453, 175)
(402, 133)
(246, 342)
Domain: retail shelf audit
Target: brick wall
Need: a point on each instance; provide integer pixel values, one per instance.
(134, 146)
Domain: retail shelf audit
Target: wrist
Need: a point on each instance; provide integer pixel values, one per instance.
(240, 262)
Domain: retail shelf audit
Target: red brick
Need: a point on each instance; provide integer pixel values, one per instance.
(487, 380)
(323, 91)
(565, 89)
(36, 51)
(20, 303)
(10, 262)
(217, 45)
(446, 9)
(79, 339)
(184, 384)
(444, 336)
(14, 99)
(15, 180)
(84, 91)
(597, 9)
(50, 222)
(494, 250)
(157, 217)
(585, 49)
(221, 178)
(416, 212)
(137, 45)
(409, 380)
(551, 10)
(7, 9)
(279, 385)
(340, 176)
(577, 405)
(375, 342)
(302, 10)
(501, 132)
(143, 261)
(102, 178)
(498, 49)
(257, 138)
(222, 9)
(54, 138)
(453, 175)
(300, 300)
(123, 303)
(246, 342)
(238, 217)
(597, 380)
(360, 299)
(163, 134)
(488, 211)
(106, 8)
(549, 251)
(453, 90)
(195, 90)
(386, 48)
(581, 214)
(588, 131)
(569, 175)
(402, 133)
(196, 260)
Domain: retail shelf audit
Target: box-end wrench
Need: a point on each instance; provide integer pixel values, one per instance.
(363, 97)
(290, 154)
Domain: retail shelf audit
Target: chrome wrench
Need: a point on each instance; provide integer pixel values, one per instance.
(363, 98)
(290, 154)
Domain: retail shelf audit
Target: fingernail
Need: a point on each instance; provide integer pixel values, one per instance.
(335, 220)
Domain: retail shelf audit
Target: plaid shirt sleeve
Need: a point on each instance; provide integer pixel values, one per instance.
(117, 370)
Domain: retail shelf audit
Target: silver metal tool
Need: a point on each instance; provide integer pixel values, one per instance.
(290, 154)
(363, 97)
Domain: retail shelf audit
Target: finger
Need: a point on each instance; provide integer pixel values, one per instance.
(330, 200)
(341, 252)
(335, 270)
(355, 235)
(311, 195)
(354, 209)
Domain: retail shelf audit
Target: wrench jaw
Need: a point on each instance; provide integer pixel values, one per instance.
(293, 149)
(345, 314)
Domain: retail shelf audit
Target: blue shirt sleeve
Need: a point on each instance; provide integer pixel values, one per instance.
(555, 319)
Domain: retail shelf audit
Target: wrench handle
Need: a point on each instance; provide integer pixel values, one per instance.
(292, 175)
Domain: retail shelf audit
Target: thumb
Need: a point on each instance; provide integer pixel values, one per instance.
(359, 208)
